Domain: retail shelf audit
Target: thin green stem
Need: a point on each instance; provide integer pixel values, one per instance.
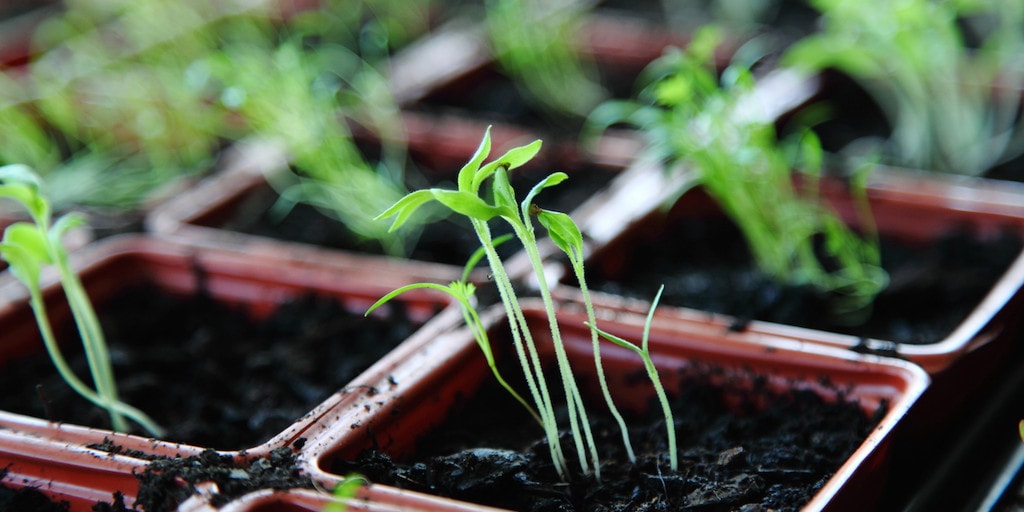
(525, 347)
(578, 418)
(50, 342)
(577, 265)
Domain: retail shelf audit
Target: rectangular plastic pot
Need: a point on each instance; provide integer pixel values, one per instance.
(258, 281)
(426, 393)
(915, 207)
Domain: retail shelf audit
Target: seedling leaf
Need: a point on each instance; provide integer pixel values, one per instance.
(466, 203)
(563, 232)
(512, 159)
(552, 180)
(504, 194)
(405, 207)
(467, 175)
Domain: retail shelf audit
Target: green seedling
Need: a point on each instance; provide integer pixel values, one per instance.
(467, 201)
(652, 372)
(27, 248)
(534, 42)
(344, 492)
(948, 75)
(113, 106)
(695, 123)
(301, 98)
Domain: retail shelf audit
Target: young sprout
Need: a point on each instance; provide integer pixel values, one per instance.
(344, 492)
(696, 124)
(467, 201)
(27, 248)
(652, 372)
(947, 75)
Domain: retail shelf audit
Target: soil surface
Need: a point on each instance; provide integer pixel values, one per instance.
(705, 264)
(210, 374)
(161, 488)
(732, 457)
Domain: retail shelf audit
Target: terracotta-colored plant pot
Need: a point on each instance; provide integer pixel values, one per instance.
(452, 368)
(917, 208)
(64, 470)
(373, 498)
(258, 281)
(451, 63)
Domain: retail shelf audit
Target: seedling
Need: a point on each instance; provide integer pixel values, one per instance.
(954, 105)
(534, 42)
(467, 201)
(287, 94)
(695, 124)
(344, 492)
(644, 352)
(27, 248)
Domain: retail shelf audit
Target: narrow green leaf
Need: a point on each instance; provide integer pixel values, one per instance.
(504, 194)
(615, 339)
(24, 249)
(552, 180)
(468, 172)
(20, 183)
(479, 253)
(466, 203)
(512, 159)
(20, 174)
(414, 286)
(62, 225)
(516, 157)
(563, 232)
(405, 207)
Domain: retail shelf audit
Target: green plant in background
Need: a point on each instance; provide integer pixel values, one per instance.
(534, 42)
(695, 124)
(27, 248)
(304, 97)
(467, 200)
(121, 101)
(947, 74)
(113, 107)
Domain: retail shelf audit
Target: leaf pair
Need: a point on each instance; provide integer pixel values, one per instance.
(466, 200)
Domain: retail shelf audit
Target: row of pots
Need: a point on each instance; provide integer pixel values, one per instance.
(187, 250)
(923, 385)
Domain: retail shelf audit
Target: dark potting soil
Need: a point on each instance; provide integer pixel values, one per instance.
(740, 457)
(160, 488)
(207, 371)
(704, 264)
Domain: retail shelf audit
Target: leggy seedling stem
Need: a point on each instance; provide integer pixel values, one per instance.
(644, 351)
(466, 201)
(27, 247)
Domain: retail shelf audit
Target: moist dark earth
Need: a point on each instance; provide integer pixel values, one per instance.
(740, 457)
(208, 372)
(704, 264)
(214, 377)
